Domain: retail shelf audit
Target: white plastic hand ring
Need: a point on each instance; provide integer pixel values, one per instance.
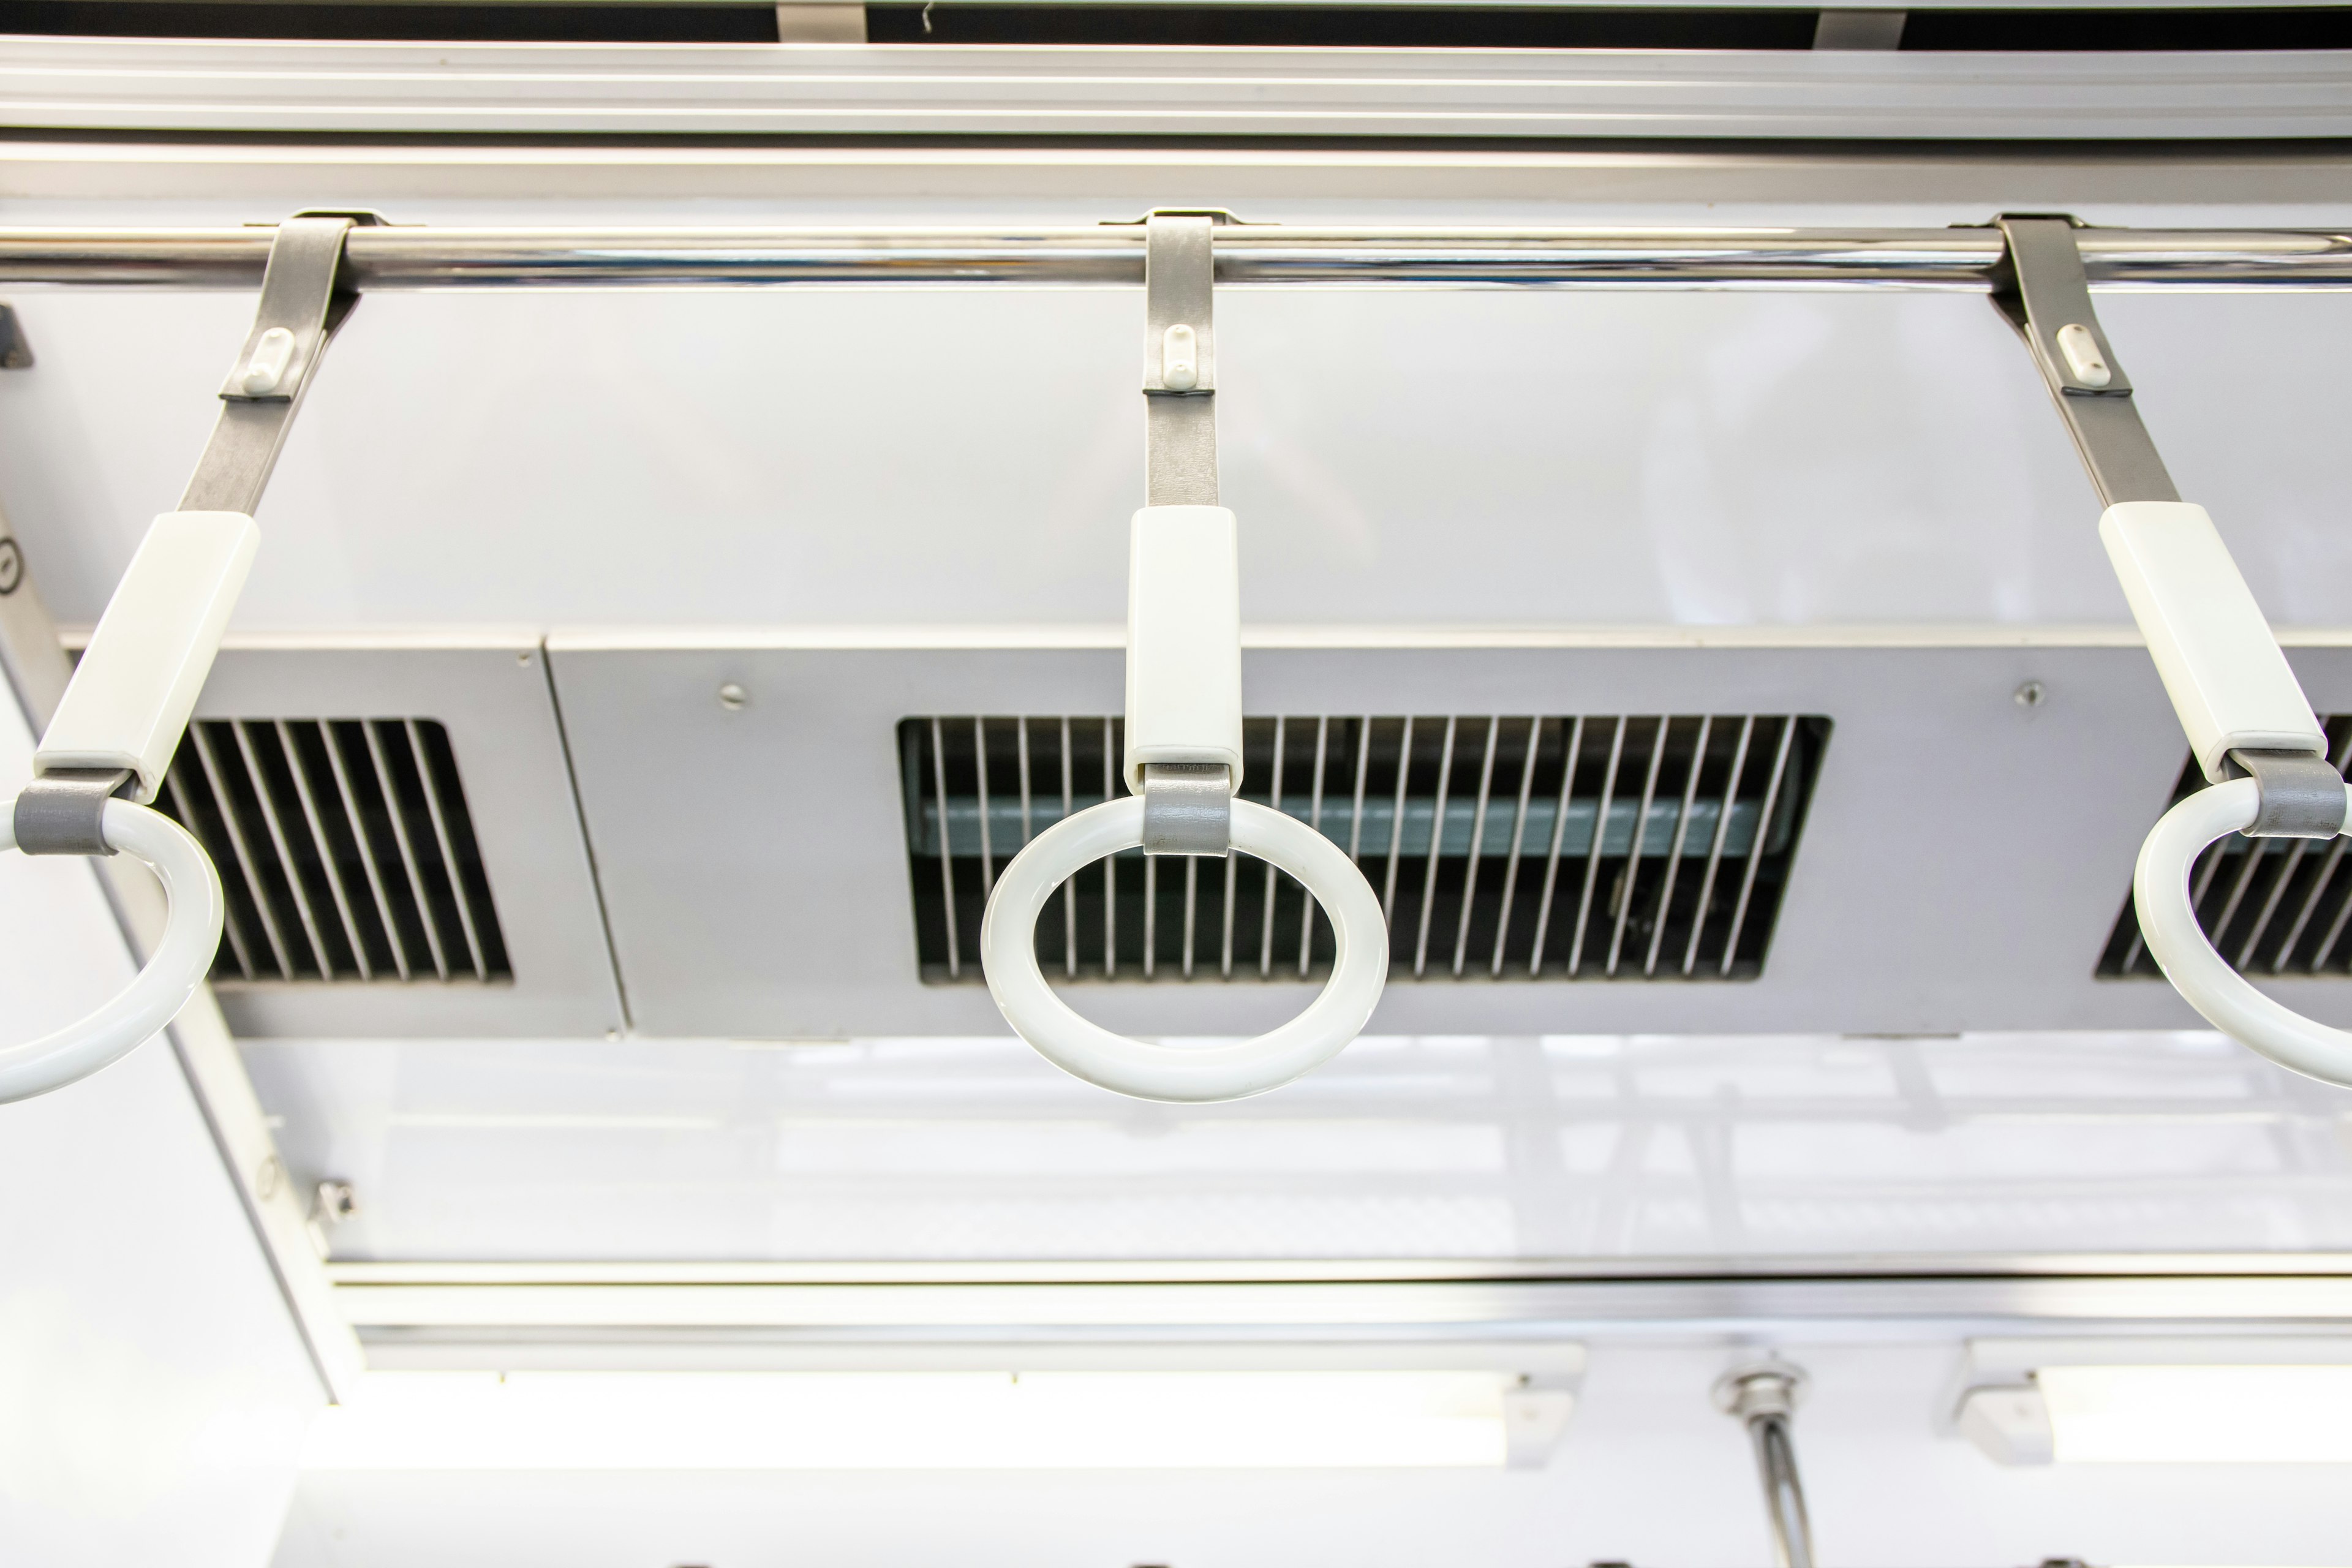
(1008, 954)
(178, 967)
(2169, 921)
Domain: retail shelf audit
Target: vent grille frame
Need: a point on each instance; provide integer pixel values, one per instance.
(1540, 900)
(2273, 908)
(346, 848)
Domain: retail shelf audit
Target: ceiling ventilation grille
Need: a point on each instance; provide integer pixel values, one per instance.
(1720, 801)
(345, 848)
(2270, 906)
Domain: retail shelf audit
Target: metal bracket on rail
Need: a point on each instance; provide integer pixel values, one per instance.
(303, 302)
(1178, 587)
(2301, 794)
(124, 712)
(58, 812)
(2041, 288)
(1180, 361)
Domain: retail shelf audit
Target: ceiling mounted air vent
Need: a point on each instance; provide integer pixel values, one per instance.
(1561, 884)
(2270, 906)
(345, 848)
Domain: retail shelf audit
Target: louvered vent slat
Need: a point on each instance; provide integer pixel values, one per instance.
(1648, 848)
(2270, 906)
(344, 847)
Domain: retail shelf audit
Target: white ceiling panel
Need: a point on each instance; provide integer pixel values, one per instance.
(491, 694)
(1963, 862)
(784, 456)
(1463, 1148)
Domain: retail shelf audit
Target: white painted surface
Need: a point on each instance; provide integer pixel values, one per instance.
(1647, 1472)
(152, 1390)
(644, 458)
(762, 456)
(1320, 1418)
(2205, 1415)
(938, 1150)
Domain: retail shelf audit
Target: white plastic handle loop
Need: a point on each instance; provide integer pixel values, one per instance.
(1008, 949)
(2167, 919)
(178, 967)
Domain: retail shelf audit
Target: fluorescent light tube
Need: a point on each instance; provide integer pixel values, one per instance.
(1077, 1420)
(2250, 1415)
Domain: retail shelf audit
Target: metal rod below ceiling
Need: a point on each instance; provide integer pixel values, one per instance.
(425, 257)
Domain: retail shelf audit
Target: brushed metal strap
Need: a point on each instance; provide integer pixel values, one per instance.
(301, 306)
(1179, 388)
(2040, 287)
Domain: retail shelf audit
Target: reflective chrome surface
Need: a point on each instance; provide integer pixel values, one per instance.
(434, 257)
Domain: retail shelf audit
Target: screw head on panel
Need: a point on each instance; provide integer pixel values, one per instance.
(2033, 694)
(733, 698)
(334, 1202)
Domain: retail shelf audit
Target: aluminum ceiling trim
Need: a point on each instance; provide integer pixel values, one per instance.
(393, 174)
(1261, 1271)
(423, 1349)
(2009, 5)
(982, 637)
(884, 91)
(1926, 1305)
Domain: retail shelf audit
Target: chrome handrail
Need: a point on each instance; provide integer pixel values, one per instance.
(1964, 258)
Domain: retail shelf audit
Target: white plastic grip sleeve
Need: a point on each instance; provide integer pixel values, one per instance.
(137, 683)
(1183, 640)
(2227, 680)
